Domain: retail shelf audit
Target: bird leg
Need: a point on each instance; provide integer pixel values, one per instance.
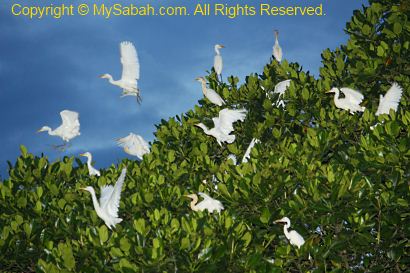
(62, 147)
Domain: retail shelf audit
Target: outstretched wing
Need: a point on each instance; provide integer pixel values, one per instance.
(353, 96)
(69, 118)
(226, 119)
(113, 202)
(209, 203)
(390, 100)
(106, 192)
(281, 87)
(125, 141)
(248, 151)
(130, 63)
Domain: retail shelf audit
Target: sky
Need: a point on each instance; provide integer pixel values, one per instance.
(48, 65)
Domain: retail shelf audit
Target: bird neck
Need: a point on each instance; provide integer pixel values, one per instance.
(110, 79)
(285, 230)
(217, 51)
(337, 93)
(203, 85)
(206, 131)
(49, 131)
(89, 159)
(193, 203)
(95, 202)
(276, 38)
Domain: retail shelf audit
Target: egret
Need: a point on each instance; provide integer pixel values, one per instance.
(208, 203)
(134, 145)
(277, 50)
(218, 64)
(233, 158)
(293, 236)
(280, 89)
(390, 100)
(130, 71)
(69, 129)
(107, 208)
(224, 125)
(351, 101)
(210, 93)
(91, 170)
(247, 156)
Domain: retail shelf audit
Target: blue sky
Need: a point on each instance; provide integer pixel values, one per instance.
(49, 65)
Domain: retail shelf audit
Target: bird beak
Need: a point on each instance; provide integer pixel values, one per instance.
(101, 76)
(83, 189)
(82, 154)
(197, 79)
(278, 222)
(222, 46)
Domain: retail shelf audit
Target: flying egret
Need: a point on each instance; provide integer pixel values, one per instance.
(224, 125)
(69, 129)
(293, 236)
(208, 203)
(134, 145)
(390, 100)
(210, 93)
(280, 89)
(277, 50)
(247, 156)
(107, 209)
(350, 102)
(91, 170)
(218, 64)
(130, 71)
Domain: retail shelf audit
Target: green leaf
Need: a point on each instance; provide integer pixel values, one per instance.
(67, 255)
(265, 216)
(103, 233)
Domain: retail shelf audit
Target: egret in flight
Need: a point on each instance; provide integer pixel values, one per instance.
(91, 170)
(277, 50)
(293, 236)
(130, 71)
(224, 125)
(280, 89)
(247, 155)
(208, 203)
(218, 64)
(134, 145)
(390, 100)
(69, 129)
(107, 208)
(351, 101)
(209, 93)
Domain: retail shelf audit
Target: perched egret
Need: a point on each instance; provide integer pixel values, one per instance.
(224, 125)
(210, 93)
(218, 64)
(107, 209)
(293, 236)
(247, 156)
(130, 71)
(91, 170)
(280, 89)
(277, 50)
(390, 100)
(350, 102)
(134, 145)
(69, 129)
(208, 203)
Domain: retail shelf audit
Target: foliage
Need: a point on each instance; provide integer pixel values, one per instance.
(345, 187)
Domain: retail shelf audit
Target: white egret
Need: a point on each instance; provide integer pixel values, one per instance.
(293, 236)
(208, 203)
(280, 89)
(224, 125)
(209, 93)
(277, 50)
(91, 170)
(218, 64)
(107, 208)
(247, 156)
(351, 101)
(233, 158)
(130, 71)
(390, 100)
(134, 145)
(69, 129)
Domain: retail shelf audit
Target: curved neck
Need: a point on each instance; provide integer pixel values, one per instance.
(203, 127)
(89, 159)
(49, 131)
(110, 79)
(276, 37)
(285, 230)
(193, 203)
(217, 51)
(203, 85)
(337, 93)
(95, 202)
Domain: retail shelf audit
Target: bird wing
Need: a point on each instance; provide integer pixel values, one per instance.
(226, 119)
(106, 192)
(69, 118)
(137, 146)
(218, 64)
(209, 203)
(281, 87)
(130, 63)
(390, 100)
(111, 205)
(353, 96)
(125, 141)
(248, 151)
(295, 238)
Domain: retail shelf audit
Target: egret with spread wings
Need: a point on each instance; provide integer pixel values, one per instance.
(130, 71)
(351, 101)
(134, 145)
(208, 203)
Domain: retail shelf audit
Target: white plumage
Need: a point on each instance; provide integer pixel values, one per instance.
(134, 145)
(351, 101)
(277, 50)
(280, 89)
(390, 100)
(218, 63)
(209, 93)
(208, 203)
(293, 236)
(107, 208)
(91, 170)
(233, 158)
(69, 129)
(130, 71)
(247, 156)
(223, 125)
